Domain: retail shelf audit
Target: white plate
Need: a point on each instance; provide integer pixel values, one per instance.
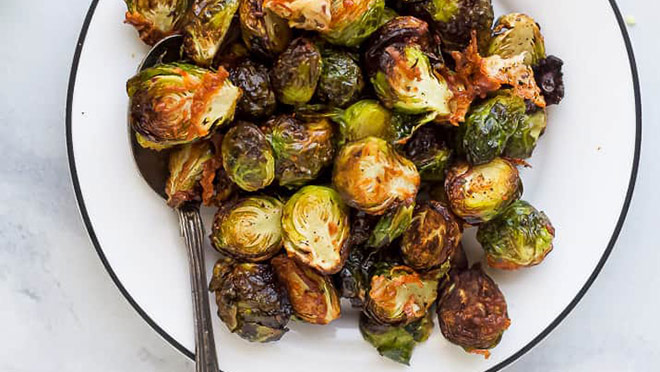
(582, 176)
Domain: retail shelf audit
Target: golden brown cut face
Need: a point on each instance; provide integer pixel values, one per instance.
(313, 15)
(156, 19)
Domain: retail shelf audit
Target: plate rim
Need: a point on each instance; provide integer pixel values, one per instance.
(535, 341)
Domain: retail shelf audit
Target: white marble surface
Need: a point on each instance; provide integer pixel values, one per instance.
(60, 312)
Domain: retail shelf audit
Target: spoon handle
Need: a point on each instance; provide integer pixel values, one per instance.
(192, 230)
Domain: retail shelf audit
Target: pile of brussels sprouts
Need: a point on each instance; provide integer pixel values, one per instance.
(347, 145)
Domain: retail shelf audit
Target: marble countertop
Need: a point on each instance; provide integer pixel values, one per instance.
(60, 312)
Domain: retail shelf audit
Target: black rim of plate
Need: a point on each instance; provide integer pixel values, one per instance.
(506, 362)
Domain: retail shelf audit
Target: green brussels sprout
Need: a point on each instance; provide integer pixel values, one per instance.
(313, 15)
(263, 31)
(207, 26)
(186, 166)
(341, 79)
(316, 228)
(391, 226)
(296, 72)
(250, 301)
(472, 311)
(248, 157)
(519, 237)
(523, 141)
(353, 21)
(179, 103)
(156, 19)
(488, 127)
(301, 150)
(396, 342)
(249, 229)
(429, 153)
(399, 295)
(432, 238)
(313, 297)
(258, 99)
(517, 33)
(479, 193)
(371, 176)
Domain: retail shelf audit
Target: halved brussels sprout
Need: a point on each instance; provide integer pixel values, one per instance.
(399, 295)
(250, 301)
(302, 150)
(353, 21)
(313, 297)
(523, 140)
(156, 19)
(179, 103)
(247, 157)
(341, 79)
(396, 342)
(371, 176)
(263, 31)
(429, 152)
(479, 193)
(550, 79)
(207, 26)
(391, 226)
(472, 312)
(519, 237)
(296, 72)
(249, 229)
(517, 33)
(316, 228)
(313, 15)
(258, 99)
(432, 238)
(186, 167)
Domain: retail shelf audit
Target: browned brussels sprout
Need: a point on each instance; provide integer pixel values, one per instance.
(479, 193)
(250, 301)
(428, 151)
(519, 237)
(263, 31)
(296, 72)
(550, 78)
(247, 157)
(301, 150)
(523, 141)
(216, 185)
(258, 99)
(341, 79)
(353, 279)
(371, 176)
(249, 229)
(207, 26)
(432, 238)
(186, 167)
(156, 19)
(313, 297)
(353, 21)
(313, 15)
(517, 33)
(391, 225)
(179, 103)
(472, 312)
(316, 228)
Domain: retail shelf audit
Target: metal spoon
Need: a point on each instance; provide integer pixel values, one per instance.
(153, 166)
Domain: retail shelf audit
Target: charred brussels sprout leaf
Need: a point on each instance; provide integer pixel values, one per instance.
(341, 79)
(523, 140)
(313, 15)
(250, 301)
(249, 229)
(316, 228)
(313, 297)
(430, 154)
(248, 157)
(517, 33)
(519, 237)
(186, 168)
(258, 100)
(263, 31)
(353, 279)
(296, 72)
(178, 103)
(550, 78)
(371, 176)
(353, 21)
(156, 19)
(206, 28)
(391, 226)
(472, 312)
(479, 193)
(302, 150)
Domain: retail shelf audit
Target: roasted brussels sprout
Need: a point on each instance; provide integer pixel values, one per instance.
(296, 72)
(316, 228)
(432, 238)
(186, 166)
(429, 152)
(249, 229)
(371, 176)
(248, 157)
(399, 295)
(472, 312)
(313, 297)
(313, 15)
(341, 79)
(353, 21)
(207, 25)
(396, 342)
(523, 140)
(391, 226)
(250, 301)
(302, 150)
(519, 237)
(479, 193)
(258, 99)
(263, 31)
(353, 279)
(156, 19)
(517, 33)
(550, 78)
(178, 103)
